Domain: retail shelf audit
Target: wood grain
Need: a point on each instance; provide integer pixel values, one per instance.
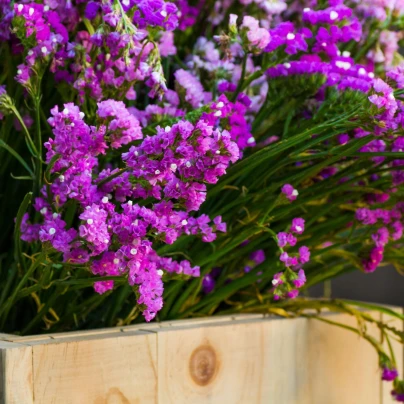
(235, 360)
(343, 367)
(16, 374)
(109, 369)
(398, 352)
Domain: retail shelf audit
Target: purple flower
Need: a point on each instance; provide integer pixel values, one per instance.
(286, 238)
(188, 83)
(301, 279)
(258, 257)
(297, 226)
(290, 192)
(389, 374)
(256, 38)
(304, 254)
(103, 286)
(91, 10)
(208, 284)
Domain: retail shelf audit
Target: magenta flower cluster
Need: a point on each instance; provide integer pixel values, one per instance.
(115, 236)
(161, 103)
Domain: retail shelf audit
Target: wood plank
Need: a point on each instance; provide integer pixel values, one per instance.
(398, 352)
(114, 368)
(343, 367)
(234, 362)
(16, 385)
(239, 359)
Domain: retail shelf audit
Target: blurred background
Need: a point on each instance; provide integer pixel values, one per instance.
(385, 285)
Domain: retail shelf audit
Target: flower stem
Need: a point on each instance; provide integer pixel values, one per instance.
(242, 77)
(38, 141)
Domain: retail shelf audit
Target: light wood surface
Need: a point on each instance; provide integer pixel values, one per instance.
(239, 359)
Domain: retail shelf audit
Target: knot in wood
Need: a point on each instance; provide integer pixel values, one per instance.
(203, 364)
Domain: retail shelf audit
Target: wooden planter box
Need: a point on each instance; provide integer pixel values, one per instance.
(227, 360)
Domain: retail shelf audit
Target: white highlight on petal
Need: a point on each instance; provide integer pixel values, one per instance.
(275, 282)
(133, 251)
(105, 199)
(251, 140)
(52, 231)
(44, 210)
(184, 222)
(343, 65)
(160, 272)
(290, 36)
(333, 15)
(90, 221)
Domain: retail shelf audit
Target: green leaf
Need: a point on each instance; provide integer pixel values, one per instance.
(377, 307)
(18, 157)
(17, 229)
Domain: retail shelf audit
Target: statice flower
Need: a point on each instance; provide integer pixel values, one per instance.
(155, 13)
(208, 283)
(255, 39)
(391, 231)
(330, 15)
(389, 374)
(190, 86)
(290, 192)
(232, 117)
(45, 31)
(123, 127)
(285, 34)
(114, 236)
(297, 226)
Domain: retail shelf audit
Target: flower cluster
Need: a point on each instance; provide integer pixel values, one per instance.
(41, 25)
(390, 229)
(140, 177)
(287, 283)
(172, 167)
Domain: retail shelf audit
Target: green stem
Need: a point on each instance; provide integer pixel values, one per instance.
(38, 141)
(242, 78)
(4, 311)
(30, 143)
